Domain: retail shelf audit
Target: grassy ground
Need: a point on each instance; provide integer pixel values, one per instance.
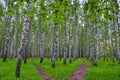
(29, 72)
(104, 71)
(60, 72)
(7, 71)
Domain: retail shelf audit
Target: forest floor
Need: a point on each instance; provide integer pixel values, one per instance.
(78, 75)
(105, 70)
(60, 72)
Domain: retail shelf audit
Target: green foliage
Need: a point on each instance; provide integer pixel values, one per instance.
(10, 12)
(1, 11)
(21, 1)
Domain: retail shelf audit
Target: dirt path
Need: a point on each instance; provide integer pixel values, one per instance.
(78, 75)
(41, 73)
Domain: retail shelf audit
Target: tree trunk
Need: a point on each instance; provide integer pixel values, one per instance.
(75, 32)
(111, 41)
(92, 53)
(23, 43)
(98, 39)
(12, 49)
(104, 43)
(70, 44)
(55, 46)
(42, 46)
(7, 43)
(117, 38)
(17, 73)
(65, 44)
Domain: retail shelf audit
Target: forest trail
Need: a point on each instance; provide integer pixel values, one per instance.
(78, 75)
(41, 73)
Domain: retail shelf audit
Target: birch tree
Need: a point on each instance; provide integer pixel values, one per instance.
(23, 42)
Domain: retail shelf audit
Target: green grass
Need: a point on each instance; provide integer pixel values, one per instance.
(28, 71)
(104, 71)
(60, 72)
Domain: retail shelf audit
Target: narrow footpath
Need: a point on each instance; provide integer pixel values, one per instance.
(41, 73)
(78, 75)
